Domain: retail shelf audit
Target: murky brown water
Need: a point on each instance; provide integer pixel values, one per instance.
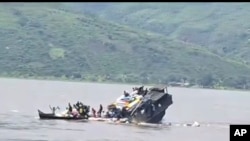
(20, 99)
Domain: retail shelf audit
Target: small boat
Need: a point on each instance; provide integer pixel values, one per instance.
(43, 115)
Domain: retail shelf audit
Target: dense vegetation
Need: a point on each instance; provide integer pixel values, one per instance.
(223, 28)
(58, 41)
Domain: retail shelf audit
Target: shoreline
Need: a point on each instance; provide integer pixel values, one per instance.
(52, 79)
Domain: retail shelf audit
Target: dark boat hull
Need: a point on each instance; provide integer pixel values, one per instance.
(154, 107)
(51, 116)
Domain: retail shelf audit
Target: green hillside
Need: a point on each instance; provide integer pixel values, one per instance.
(223, 28)
(49, 40)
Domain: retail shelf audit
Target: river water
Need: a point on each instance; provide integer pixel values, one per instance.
(20, 99)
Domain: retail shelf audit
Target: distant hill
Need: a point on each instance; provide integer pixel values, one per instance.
(53, 40)
(223, 28)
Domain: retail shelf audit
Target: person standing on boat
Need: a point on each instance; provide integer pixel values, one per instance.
(99, 113)
(52, 109)
(76, 105)
(93, 112)
(70, 109)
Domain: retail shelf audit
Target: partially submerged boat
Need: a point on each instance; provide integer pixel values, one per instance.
(139, 106)
(147, 106)
(153, 106)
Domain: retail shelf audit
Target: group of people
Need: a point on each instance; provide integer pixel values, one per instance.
(113, 111)
(98, 113)
(78, 109)
(128, 97)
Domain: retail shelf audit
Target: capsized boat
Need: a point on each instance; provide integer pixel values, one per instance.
(144, 105)
(152, 107)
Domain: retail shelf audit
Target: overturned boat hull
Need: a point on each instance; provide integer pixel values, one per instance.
(153, 108)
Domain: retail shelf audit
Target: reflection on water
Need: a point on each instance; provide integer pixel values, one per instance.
(20, 99)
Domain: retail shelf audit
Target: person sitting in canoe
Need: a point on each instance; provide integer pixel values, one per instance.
(77, 106)
(83, 109)
(75, 113)
(78, 109)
